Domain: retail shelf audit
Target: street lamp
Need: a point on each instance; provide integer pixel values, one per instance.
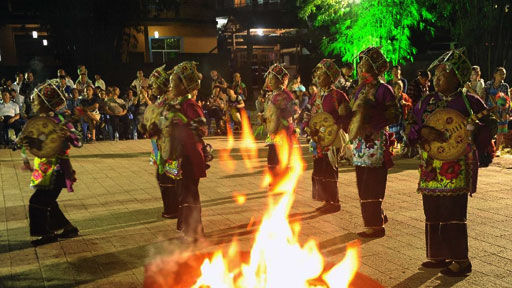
(259, 32)
(34, 34)
(156, 34)
(45, 42)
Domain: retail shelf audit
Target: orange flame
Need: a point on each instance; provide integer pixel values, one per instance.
(224, 154)
(240, 198)
(277, 259)
(248, 148)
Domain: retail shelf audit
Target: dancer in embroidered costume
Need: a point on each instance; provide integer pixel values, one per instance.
(180, 125)
(280, 108)
(446, 184)
(374, 108)
(327, 137)
(165, 153)
(49, 137)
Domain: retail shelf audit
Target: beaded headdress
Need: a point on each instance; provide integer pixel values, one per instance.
(376, 58)
(330, 68)
(454, 59)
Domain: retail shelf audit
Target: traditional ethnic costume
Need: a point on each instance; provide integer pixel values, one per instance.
(445, 185)
(193, 166)
(280, 107)
(194, 152)
(325, 158)
(52, 171)
(372, 152)
(167, 163)
(498, 96)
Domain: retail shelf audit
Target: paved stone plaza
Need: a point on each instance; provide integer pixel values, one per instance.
(117, 208)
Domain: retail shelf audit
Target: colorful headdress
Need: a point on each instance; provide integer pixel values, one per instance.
(376, 58)
(49, 94)
(454, 59)
(330, 67)
(278, 70)
(187, 71)
(159, 78)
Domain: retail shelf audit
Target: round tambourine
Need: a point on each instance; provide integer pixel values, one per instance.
(43, 137)
(325, 129)
(152, 113)
(453, 123)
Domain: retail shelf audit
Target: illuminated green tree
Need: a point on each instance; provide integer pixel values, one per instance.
(355, 25)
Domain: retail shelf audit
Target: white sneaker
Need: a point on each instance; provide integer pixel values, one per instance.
(498, 153)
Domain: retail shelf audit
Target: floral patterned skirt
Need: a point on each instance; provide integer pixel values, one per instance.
(444, 177)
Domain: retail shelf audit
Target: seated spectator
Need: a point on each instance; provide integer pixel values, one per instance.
(99, 82)
(64, 88)
(82, 83)
(215, 107)
(73, 102)
(9, 116)
(16, 87)
(238, 86)
(69, 82)
(235, 105)
(88, 109)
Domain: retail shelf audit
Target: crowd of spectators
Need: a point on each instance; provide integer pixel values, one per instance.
(98, 111)
(104, 112)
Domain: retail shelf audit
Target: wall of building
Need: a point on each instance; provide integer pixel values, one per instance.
(7, 46)
(197, 38)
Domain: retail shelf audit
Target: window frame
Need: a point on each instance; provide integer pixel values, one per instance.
(151, 50)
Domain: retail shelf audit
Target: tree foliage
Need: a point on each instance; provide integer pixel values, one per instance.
(355, 25)
(484, 27)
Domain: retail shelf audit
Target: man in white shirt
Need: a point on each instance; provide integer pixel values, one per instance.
(82, 82)
(19, 98)
(9, 116)
(140, 82)
(99, 82)
(69, 82)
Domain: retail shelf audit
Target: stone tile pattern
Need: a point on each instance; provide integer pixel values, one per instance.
(117, 208)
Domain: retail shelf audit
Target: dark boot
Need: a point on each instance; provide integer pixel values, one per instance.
(179, 223)
(39, 220)
(47, 239)
(191, 221)
(69, 232)
(170, 201)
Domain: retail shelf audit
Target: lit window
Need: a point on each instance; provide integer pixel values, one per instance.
(164, 48)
